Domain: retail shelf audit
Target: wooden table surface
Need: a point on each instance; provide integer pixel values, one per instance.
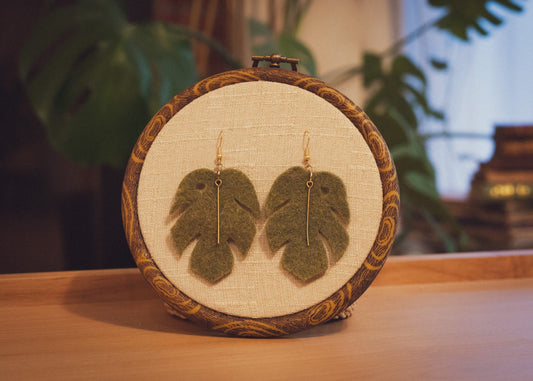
(425, 318)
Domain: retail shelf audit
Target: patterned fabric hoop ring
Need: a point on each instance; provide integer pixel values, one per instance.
(181, 304)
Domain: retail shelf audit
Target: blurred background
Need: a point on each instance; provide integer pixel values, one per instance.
(447, 82)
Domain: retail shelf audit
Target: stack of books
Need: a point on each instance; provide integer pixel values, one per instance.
(499, 211)
(509, 173)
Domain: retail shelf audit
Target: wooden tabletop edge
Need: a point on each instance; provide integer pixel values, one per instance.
(63, 287)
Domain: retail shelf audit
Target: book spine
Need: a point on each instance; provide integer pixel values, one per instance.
(502, 191)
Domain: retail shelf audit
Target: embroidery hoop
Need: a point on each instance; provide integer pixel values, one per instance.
(177, 302)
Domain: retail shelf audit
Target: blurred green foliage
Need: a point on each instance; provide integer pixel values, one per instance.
(94, 80)
(463, 15)
(398, 100)
(265, 41)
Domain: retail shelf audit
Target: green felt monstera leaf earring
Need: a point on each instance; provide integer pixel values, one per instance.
(303, 208)
(214, 207)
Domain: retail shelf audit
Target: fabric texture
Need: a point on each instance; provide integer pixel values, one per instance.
(201, 219)
(288, 225)
(263, 124)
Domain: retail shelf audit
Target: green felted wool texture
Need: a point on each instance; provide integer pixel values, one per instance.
(286, 209)
(196, 204)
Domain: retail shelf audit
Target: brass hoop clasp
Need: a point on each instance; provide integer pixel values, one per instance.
(275, 59)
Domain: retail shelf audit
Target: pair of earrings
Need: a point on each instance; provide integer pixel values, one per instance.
(216, 207)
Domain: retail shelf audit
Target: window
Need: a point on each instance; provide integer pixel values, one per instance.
(489, 82)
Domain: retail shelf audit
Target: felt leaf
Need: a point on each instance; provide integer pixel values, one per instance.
(286, 210)
(195, 204)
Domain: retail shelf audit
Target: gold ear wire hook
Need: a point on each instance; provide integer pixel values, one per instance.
(307, 140)
(307, 155)
(218, 160)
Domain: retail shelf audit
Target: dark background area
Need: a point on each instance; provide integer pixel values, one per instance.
(55, 214)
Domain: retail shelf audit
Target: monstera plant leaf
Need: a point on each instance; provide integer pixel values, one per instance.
(200, 219)
(94, 79)
(463, 15)
(398, 99)
(286, 209)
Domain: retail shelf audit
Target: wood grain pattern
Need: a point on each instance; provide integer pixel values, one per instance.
(118, 285)
(287, 324)
(460, 267)
(107, 325)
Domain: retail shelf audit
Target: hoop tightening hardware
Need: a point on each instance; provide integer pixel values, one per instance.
(275, 59)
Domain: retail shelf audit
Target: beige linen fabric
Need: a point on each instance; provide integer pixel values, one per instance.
(263, 124)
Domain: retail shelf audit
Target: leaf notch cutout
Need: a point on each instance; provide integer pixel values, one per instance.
(286, 208)
(195, 204)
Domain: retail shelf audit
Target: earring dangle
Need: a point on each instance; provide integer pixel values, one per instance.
(309, 183)
(218, 181)
(214, 207)
(303, 208)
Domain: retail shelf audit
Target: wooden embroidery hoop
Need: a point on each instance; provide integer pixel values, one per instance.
(180, 304)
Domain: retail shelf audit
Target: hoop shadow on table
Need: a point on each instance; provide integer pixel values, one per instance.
(122, 298)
